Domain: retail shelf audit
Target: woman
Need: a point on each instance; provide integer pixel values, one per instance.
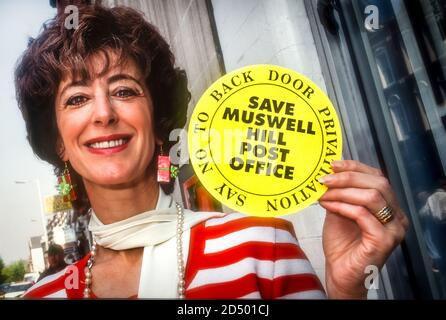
(100, 101)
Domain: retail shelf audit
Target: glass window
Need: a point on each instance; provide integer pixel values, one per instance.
(405, 60)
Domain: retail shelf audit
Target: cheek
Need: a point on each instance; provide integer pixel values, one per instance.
(142, 120)
(148, 131)
(70, 128)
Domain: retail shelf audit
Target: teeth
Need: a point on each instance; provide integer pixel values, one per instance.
(108, 144)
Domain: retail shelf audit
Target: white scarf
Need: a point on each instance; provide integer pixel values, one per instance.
(145, 229)
(155, 230)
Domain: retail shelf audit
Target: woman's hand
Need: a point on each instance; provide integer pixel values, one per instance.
(353, 238)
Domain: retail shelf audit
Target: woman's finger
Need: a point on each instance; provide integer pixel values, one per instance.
(390, 234)
(372, 199)
(363, 218)
(354, 174)
(350, 179)
(353, 165)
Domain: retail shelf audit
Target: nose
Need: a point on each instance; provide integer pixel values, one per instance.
(104, 112)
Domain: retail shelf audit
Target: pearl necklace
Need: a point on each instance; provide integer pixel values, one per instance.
(179, 234)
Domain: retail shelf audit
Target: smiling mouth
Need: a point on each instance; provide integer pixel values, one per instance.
(108, 144)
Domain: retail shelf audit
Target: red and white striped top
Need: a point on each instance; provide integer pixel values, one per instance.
(232, 257)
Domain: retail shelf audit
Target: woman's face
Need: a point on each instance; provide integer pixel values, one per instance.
(106, 123)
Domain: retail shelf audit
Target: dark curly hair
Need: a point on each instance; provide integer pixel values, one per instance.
(58, 51)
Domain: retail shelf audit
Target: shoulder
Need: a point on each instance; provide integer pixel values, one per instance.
(56, 285)
(237, 228)
(242, 239)
(243, 256)
(51, 286)
(237, 221)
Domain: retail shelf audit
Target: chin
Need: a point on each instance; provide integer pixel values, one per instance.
(111, 177)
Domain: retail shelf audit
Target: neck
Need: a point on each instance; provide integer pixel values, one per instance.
(129, 256)
(116, 203)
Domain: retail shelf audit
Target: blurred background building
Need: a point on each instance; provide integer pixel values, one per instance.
(36, 262)
(65, 227)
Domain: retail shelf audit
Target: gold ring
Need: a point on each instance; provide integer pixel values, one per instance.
(385, 215)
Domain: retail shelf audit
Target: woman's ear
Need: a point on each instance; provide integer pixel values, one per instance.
(61, 150)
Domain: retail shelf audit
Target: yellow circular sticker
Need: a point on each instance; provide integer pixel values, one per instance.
(260, 137)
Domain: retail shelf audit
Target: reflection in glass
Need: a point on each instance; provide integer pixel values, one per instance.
(412, 78)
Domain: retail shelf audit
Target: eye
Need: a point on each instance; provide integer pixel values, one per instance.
(125, 93)
(76, 101)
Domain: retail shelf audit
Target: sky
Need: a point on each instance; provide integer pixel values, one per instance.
(20, 216)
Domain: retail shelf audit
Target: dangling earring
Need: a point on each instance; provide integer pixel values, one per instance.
(165, 169)
(65, 186)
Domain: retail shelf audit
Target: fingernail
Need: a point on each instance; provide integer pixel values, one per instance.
(337, 164)
(325, 179)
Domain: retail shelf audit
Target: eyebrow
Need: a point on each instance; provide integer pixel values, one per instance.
(75, 83)
(112, 79)
(122, 76)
